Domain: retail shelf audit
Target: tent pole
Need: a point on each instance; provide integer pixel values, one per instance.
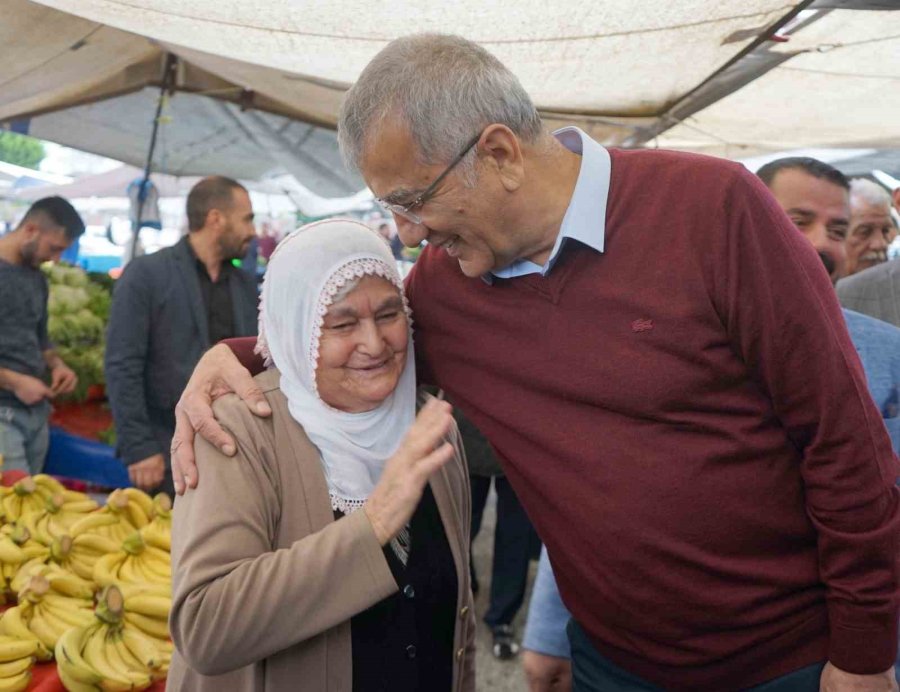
(167, 83)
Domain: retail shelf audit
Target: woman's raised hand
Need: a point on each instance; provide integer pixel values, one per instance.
(394, 499)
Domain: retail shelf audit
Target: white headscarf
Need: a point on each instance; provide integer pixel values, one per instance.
(307, 269)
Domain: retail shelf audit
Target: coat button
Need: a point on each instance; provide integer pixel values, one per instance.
(459, 654)
(410, 651)
(409, 591)
(463, 612)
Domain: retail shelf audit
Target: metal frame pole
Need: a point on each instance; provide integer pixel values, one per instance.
(167, 83)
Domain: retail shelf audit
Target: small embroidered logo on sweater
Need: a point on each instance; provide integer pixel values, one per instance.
(642, 325)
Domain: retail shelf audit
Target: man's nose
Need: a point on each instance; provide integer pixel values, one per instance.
(411, 234)
(880, 241)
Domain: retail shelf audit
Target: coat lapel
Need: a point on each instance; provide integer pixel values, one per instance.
(187, 272)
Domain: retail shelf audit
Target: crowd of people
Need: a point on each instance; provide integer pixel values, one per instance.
(681, 377)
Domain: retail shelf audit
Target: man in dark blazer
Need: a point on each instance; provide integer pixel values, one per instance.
(168, 308)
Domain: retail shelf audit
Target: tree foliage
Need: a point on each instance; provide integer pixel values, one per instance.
(21, 150)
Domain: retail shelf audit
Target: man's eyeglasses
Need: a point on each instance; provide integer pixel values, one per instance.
(406, 210)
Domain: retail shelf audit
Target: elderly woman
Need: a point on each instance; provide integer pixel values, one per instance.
(331, 552)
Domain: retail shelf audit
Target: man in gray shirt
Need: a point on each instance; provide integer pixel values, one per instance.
(26, 355)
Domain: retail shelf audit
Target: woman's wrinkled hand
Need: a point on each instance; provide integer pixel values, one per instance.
(218, 373)
(422, 452)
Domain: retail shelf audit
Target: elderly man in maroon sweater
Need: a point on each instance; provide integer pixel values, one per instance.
(660, 362)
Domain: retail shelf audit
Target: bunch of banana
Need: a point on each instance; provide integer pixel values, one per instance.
(57, 517)
(88, 546)
(16, 621)
(57, 553)
(16, 660)
(132, 509)
(106, 654)
(147, 608)
(46, 611)
(158, 532)
(22, 499)
(16, 548)
(135, 563)
(48, 485)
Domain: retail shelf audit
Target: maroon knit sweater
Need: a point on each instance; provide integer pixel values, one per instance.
(686, 421)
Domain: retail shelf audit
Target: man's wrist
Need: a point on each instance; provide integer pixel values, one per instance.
(9, 379)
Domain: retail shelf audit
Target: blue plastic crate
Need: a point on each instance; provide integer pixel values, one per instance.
(72, 456)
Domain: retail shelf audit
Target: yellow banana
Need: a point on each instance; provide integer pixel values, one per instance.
(95, 542)
(142, 500)
(47, 483)
(12, 507)
(131, 661)
(17, 683)
(92, 522)
(80, 506)
(8, 670)
(95, 654)
(106, 569)
(62, 618)
(120, 658)
(10, 552)
(151, 606)
(43, 630)
(136, 515)
(132, 590)
(82, 566)
(70, 616)
(71, 585)
(142, 647)
(13, 648)
(13, 625)
(127, 572)
(157, 536)
(69, 657)
(153, 627)
(73, 495)
(70, 683)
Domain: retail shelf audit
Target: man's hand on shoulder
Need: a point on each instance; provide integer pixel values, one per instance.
(836, 680)
(218, 373)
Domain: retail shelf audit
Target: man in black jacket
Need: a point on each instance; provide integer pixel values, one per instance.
(168, 308)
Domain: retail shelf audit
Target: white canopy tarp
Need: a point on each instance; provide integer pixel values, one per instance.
(838, 85)
(625, 71)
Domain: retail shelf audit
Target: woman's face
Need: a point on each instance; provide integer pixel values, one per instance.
(362, 349)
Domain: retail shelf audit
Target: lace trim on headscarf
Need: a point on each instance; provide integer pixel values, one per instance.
(347, 273)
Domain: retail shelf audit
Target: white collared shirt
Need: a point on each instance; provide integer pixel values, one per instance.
(585, 219)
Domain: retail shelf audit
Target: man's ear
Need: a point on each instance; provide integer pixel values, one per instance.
(214, 219)
(30, 230)
(896, 196)
(501, 150)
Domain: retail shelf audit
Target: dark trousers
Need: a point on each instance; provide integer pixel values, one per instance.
(515, 543)
(591, 672)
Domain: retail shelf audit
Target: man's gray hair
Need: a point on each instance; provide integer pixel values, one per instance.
(869, 192)
(445, 88)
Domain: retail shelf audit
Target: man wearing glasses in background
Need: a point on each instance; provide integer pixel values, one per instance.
(661, 365)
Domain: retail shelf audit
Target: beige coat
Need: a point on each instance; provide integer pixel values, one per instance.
(265, 580)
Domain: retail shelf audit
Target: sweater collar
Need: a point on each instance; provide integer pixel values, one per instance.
(585, 217)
